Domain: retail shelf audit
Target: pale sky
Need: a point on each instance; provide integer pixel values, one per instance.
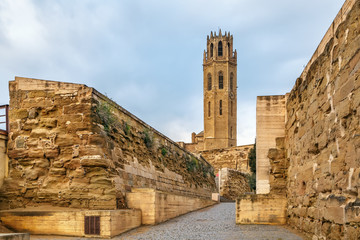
(147, 54)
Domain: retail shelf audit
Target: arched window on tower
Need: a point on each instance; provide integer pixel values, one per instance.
(209, 84)
(221, 80)
(231, 81)
(231, 132)
(209, 109)
(231, 108)
(229, 52)
(220, 107)
(220, 49)
(211, 50)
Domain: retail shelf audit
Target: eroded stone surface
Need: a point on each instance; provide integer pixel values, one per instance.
(323, 135)
(71, 146)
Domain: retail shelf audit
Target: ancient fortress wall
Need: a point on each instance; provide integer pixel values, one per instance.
(270, 124)
(234, 158)
(323, 135)
(233, 183)
(71, 146)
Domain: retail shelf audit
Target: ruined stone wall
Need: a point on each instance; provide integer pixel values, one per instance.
(323, 135)
(270, 124)
(233, 183)
(278, 168)
(71, 146)
(234, 158)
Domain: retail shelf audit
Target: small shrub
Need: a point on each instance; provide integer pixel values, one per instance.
(163, 151)
(104, 111)
(148, 139)
(126, 128)
(252, 181)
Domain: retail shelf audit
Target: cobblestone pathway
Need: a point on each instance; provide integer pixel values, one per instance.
(213, 223)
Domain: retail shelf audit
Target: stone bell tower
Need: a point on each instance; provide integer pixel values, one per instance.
(220, 98)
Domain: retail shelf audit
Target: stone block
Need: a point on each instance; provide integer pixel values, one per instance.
(261, 209)
(40, 133)
(90, 162)
(48, 122)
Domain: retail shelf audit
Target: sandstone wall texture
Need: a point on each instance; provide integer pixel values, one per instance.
(71, 146)
(233, 183)
(261, 209)
(234, 158)
(158, 206)
(323, 135)
(270, 124)
(70, 222)
(278, 168)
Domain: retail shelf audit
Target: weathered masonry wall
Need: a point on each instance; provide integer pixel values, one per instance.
(71, 146)
(270, 124)
(234, 158)
(261, 209)
(70, 222)
(157, 206)
(233, 183)
(323, 135)
(278, 168)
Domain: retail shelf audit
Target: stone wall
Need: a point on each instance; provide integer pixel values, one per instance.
(158, 206)
(71, 146)
(233, 183)
(278, 168)
(261, 209)
(234, 158)
(70, 222)
(323, 135)
(270, 124)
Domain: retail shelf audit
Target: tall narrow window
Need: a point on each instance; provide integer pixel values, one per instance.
(211, 50)
(229, 52)
(230, 132)
(221, 80)
(209, 82)
(231, 108)
(209, 109)
(220, 49)
(231, 81)
(220, 107)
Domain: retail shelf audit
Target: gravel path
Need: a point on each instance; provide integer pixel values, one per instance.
(215, 223)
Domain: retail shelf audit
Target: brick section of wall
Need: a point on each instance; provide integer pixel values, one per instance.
(233, 183)
(71, 146)
(323, 135)
(234, 158)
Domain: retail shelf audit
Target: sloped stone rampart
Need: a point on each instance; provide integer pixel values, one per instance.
(71, 146)
(323, 135)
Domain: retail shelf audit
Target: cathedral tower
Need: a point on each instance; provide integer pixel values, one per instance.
(220, 98)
